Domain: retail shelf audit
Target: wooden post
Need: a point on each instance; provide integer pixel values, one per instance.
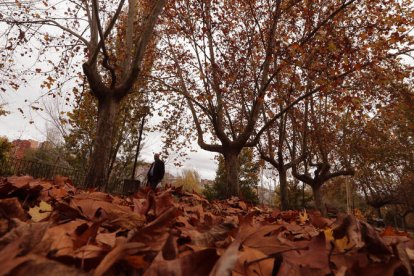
(141, 129)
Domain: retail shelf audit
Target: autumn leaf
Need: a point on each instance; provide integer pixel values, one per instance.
(11, 208)
(253, 262)
(342, 244)
(390, 231)
(185, 236)
(303, 217)
(41, 212)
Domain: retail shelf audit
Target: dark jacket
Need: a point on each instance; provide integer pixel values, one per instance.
(158, 173)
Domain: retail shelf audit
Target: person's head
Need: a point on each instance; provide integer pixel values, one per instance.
(156, 156)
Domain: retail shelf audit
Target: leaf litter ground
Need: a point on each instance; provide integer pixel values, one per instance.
(50, 227)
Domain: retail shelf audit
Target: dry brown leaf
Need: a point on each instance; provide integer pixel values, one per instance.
(390, 231)
(253, 262)
(242, 205)
(169, 250)
(374, 244)
(118, 253)
(227, 261)
(11, 208)
(38, 265)
(163, 202)
(30, 233)
(216, 233)
(58, 238)
(384, 269)
(199, 263)
(185, 234)
(22, 185)
(197, 210)
(318, 220)
(8, 257)
(58, 193)
(107, 239)
(137, 262)
(20, 181)
(89, 251)
(141, 205)
(85, 234)
(263, 238)
(410, 253)
(156, 232)
(65, 212)
(65, 183)
(121, 216)
(315, 256)
(349, 226)
(404, 258)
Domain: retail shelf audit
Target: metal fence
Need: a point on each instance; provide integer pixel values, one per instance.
(38, 169)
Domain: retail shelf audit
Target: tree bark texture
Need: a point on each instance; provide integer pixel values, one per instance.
(97, 175)
(284, 201)
(231, 161)
(316, 189)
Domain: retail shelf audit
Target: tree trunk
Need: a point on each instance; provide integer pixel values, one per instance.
(231, 161)
(317, 197)
(284, 202)
(379, 212)
(97, 176)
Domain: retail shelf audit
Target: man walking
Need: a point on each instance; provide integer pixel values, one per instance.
(156, 172)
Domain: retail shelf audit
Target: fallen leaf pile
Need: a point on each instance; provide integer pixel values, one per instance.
(51, 228)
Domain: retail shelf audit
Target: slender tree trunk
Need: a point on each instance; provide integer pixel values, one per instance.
(231, 161)
(284, 202)
(97, 175)
(114, 150)
(317, 196)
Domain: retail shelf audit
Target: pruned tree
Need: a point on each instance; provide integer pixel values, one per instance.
(321, 141)
(273, 149)
(224, 60)
(75, 36)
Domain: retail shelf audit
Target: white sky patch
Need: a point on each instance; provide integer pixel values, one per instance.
(16, 126)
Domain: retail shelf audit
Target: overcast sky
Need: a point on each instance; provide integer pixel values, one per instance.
(33, 124)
